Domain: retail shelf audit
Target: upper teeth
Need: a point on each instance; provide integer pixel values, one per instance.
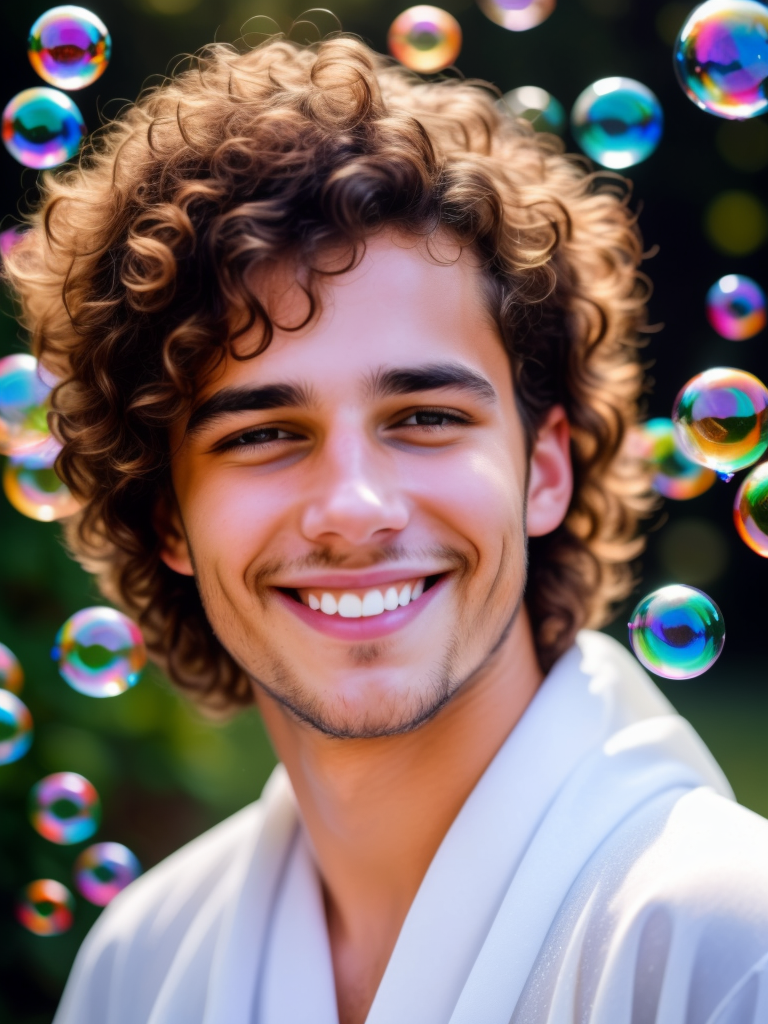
(370, 602)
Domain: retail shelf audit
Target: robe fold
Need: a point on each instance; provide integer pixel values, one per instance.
(599, 873)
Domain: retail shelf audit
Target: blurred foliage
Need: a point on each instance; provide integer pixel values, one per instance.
(163, 773)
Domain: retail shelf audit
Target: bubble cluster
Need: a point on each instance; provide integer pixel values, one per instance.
(517, 15)
(675, 476)
(11, 672)
(721, 57)
(618, 122)
(736, 307)
(536, 105)
(721, 419)
(750, 510)
(104, 870)
(425, 39)
(100, 652)
(69, 47)
(42, 127)
(33, 487)
(46, 907)
(677, 632)
(23, 405)
(15, 727)
(64, 808)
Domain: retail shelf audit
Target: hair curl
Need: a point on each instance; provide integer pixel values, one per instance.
(138, 273)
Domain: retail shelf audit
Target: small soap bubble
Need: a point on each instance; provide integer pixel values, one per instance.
(46, 907)
(736, 307)
(100, 652)
(64, 808)
(69, 47)
(750, 510)
(618, 122)
(677, 632)
(536, 105)
(721, 419)
(425, 39)
(721, 57)
(674, 476)
(104, 870)
(33, 487)
(515, 15)
(23, 406)
(11, 672)
(42, 127)
(15, 727)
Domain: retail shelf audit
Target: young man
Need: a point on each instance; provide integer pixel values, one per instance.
(347, 360)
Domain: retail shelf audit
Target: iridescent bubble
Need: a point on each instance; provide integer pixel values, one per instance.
(100, 652)
(64, 808)
(736, 307)
(721, 57)
(104, 870)
(675, 476)
(425, 39)
(69, 47)
(536, 105)
(750, 510)
(23, 405)
(15, 727)
(618, 122)
(42, 127)
(721, 419)
(516, 15)
(11, 672)
(46, 907)
(677, 632)
(34, 488)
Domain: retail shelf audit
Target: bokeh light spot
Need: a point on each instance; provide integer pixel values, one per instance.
(46, 907)
(103, 870)
(743, 144)
(693, 551)
(736, 223)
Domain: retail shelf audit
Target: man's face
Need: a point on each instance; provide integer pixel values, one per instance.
(352, 500)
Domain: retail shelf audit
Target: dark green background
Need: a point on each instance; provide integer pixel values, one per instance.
(164, 774)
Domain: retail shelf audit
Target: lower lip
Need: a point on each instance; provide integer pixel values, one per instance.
(362, 629)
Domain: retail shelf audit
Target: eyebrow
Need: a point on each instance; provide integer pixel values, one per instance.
(253, 399)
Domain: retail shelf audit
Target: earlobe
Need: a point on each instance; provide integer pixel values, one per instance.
(550, 478)
(170, 530)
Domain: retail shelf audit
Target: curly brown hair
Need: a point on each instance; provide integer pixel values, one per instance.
(141, 268)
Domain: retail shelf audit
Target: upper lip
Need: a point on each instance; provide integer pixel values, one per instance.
(357, 580)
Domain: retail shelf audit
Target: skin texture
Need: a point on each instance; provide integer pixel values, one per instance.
(356, 481)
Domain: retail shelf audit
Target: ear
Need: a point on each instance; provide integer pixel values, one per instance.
(550, 476)
(170, 530)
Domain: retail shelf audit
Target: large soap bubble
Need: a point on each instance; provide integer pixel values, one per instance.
(42, 127)
(674, 475)
(64, 808)
(517, 15)
(721, 419)
(11, 672)
(736, 307)
(15, 727)
(69, 47)
(677, 632)
(618, 122)
(721, 57)
(46, 907)
(33, 487)
(750, 510)
(100, 652)
(104, 870)
(536, 105)
(425, 39)
(23, 406)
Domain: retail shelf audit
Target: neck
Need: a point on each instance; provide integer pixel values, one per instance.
(376, 810)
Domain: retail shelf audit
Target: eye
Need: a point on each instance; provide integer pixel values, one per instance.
(432, 418)
(258, 437)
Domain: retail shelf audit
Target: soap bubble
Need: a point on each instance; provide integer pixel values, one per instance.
(617, 122)
(104, 870)
(23, 405)
(721, 419)
(515, 15)
(736, 307)
(42, 127)
(64, 808)
(721, 57)
(15, 727)
(46, 907)
(11, 672)
(34, 488)
(536, 105)
(69, 47)
(100, 652)
(425, 38)
(675, 476)
(750, 510)
(677, 632)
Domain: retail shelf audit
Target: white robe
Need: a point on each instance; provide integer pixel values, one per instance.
(599, 873)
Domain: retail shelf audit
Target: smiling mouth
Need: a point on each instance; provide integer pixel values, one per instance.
(363, 603)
